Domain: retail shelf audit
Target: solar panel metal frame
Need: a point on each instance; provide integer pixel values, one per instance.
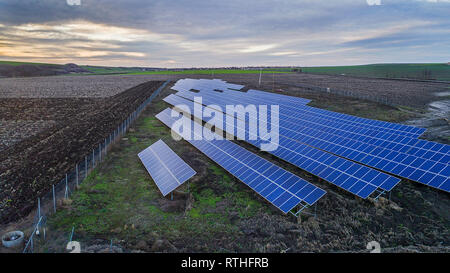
(166, 168)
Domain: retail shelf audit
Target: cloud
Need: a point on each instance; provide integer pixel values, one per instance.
(257, 48)
(188, 33)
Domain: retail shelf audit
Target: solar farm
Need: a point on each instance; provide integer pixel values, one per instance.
(334, 181)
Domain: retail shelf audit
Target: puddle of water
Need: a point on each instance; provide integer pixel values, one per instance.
(440, 109)
(442, 94)
(436, 120)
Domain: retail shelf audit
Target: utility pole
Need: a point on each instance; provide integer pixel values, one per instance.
(260, 74)
(273, 88)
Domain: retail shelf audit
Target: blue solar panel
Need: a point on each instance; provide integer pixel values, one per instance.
(284, 190)
(351, 122)
(364, 133)
(165, 167)
(202, 84)
(303, 156)
(386, 159)
(228, 88)
(362, 148)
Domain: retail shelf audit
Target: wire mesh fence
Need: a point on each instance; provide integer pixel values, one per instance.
(60, 192)
(347, 93)
(270, 81)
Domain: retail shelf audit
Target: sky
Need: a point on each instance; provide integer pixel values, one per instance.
(192, 33)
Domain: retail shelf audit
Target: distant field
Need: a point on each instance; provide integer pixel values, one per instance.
(23, 63)
(206, 72)
(433, 71)
(108, 70)
(137, 71)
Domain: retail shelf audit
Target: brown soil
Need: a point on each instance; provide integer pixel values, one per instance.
(31, 166)
(408, 93)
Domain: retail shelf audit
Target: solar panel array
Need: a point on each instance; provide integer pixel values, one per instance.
(355, 178)
(208, 85)
(165, 167)
(224, 87)
(389, 147)
(278, 186)
(386, 158)
(420, 148)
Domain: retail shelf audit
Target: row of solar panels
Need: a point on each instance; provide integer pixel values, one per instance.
(350, 176)
(337, 150)
(278, 186)
(427, 171)
(297, 103)
(387, 149)
(283, 189)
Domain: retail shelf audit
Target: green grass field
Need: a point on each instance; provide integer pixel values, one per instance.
(207, 72)
(430, 71)
(22, 63)
(109, 70)
(436, 71)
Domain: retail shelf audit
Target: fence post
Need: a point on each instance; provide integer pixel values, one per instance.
(71, 234)
(66, 193)
(85, 167)
(76, 173)
(54, 198)
(39, 208)
(93, 158)
(39, 214)
(99, 152)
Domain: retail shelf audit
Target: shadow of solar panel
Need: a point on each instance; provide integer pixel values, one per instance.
(317, 162)
(278, 186)
(165, 167)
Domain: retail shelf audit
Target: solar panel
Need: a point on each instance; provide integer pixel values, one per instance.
(202, 84)
(228, 88)
(165, 167)
(278, 186)
(420, 148)
(302, 109)
(423, 170)
(355, 178)
(311, 118)
(429, 169)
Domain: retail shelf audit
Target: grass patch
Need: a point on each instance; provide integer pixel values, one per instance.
(438, 71)
(13, 63)
(244, 203)
(119, 200)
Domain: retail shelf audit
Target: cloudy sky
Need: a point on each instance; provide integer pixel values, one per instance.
(190, 33)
